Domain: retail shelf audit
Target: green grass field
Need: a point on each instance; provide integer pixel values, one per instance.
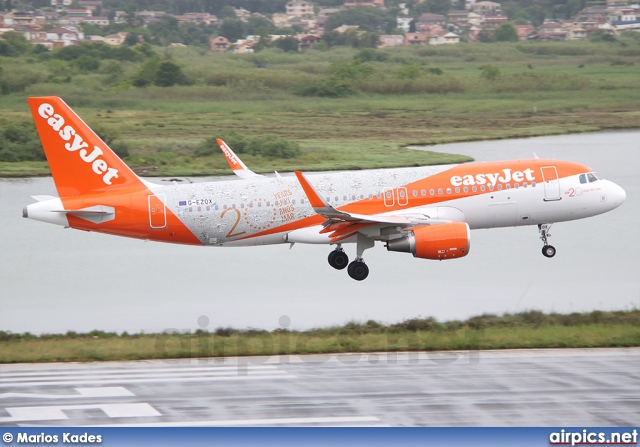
(526, 330)
(540, 89)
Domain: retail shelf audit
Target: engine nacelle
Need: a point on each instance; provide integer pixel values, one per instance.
(440, 241)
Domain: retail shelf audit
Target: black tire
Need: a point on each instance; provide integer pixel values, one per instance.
(358, 270)
(338, 259)
(549, 251)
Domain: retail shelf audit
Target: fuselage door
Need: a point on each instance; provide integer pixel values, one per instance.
(389, 197)
(157, 212)
(551, 183)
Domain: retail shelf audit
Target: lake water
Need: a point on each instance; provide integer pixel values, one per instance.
(54, 279)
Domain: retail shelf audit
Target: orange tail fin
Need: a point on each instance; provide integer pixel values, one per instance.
(80, 161)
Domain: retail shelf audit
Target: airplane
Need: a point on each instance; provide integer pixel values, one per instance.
(426, 211)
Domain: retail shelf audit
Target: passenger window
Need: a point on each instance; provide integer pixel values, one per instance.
(388, 194)
(508, 186)
(448, 190)
(457, 190)
(525, 184)
(499, 187)
(583, 178)
(440, 191)
(344, 198)
(259, 204)
(517, 185)
(401, 193)
(424, 192)
(466, 189)
(473, 188)
(268, 203)
(491, 187)
(533, 184)
(415, 193)
(432, 192)
(482, 188)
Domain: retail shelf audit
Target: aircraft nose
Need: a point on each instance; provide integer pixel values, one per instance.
(617, 195)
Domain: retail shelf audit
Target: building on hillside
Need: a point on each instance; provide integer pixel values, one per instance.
(79, 13)
(617, 3)
(459, 17)
(371, 3)
(415, 39)
(576, 32)
(487, 8)
(391, 40)
(149, 17)
(219, 44)
(93, 5)
(404, 23)
(447, 39)
(299, 8)
(197, 18)
(492, 22)
(430, 19)
(551, 31)
(525, 31)
(594, 16)
(98, 20)
(242, 14)
(308, 41)
(116, 39)
(280, 20)
(14, 18)
(63, 37)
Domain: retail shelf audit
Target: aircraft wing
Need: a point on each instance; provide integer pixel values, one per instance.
(239, 168)
(343, 225)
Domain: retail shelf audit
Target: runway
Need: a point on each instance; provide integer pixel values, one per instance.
(555, 387)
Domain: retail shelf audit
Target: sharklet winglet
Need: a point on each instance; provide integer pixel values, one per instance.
(238, 167)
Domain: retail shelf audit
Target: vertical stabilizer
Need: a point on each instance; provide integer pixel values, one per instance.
(79, 160)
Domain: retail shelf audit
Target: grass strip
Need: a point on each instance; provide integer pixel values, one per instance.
(532, 329)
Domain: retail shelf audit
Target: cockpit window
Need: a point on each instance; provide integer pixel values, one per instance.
(592, 178)
(598, 176)
(583, 178)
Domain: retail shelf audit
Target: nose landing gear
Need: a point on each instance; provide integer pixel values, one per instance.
(548, 251)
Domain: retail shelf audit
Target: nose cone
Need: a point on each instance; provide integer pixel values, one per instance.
(616, 195)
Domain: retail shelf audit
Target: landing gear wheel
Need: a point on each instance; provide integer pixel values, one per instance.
(549, 251)
(338, 259)
(358, 270)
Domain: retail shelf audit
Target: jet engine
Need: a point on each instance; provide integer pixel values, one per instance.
(439, 241)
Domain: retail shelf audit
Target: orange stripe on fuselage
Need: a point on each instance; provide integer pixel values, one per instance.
(443, 180)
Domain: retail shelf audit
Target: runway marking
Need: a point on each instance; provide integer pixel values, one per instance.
(164, 379)
(106, 391)
(57, 412)
(329, 421)
(137, 370)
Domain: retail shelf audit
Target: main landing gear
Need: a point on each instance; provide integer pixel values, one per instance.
(357, 269)
(338, 259)
(547, 250)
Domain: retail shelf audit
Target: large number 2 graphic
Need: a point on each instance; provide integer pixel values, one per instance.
(231, 231)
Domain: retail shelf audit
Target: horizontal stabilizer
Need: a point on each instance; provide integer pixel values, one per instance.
(95, 214)
(42, 198)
